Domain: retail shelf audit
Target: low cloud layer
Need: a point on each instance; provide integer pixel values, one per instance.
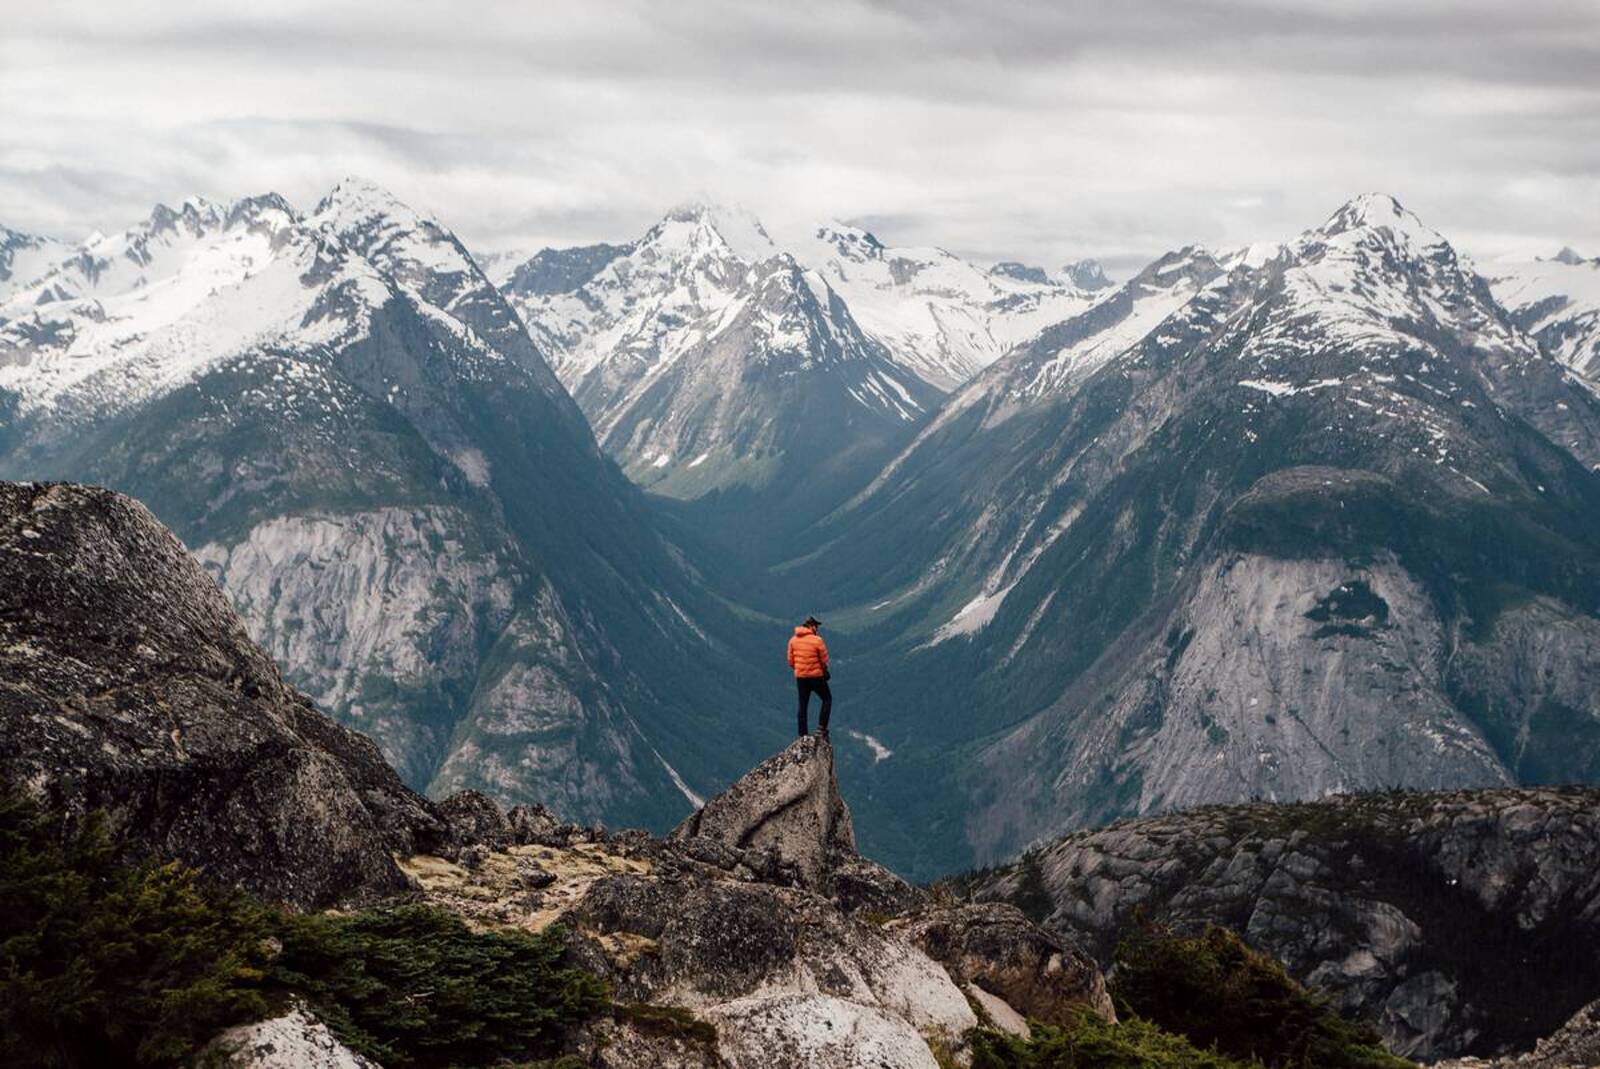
(1036, 131)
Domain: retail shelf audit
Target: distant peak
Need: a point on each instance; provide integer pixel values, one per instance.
(849, 235)
(355, 197)
(1086, 274)
(1021, 272)
(738, 228)
(1568, 255)
(194, 213)
(1374, 211)
(257, 208)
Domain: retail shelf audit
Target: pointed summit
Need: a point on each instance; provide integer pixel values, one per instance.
(363, 213)
(1380, 212)
(700, 222)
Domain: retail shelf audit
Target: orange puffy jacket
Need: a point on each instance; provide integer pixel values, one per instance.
(808, 654)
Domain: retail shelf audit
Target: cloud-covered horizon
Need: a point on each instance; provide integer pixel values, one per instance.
(998, 129)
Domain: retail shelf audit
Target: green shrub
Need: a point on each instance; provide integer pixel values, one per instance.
(104, 963)
(414, 986)
(1091, 1043)
(1218, 993)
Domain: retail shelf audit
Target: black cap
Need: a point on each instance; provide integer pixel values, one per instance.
(812, 621)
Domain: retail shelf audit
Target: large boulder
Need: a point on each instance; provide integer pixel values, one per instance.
(293, 1040)
(817, 1032)
(127, 684)
(789, 803)
(994, 947)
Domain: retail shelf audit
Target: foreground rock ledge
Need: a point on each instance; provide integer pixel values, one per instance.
(743, 918)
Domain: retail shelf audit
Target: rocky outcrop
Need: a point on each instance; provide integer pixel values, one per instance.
(294, 1040)
(127, 684)
(1575, 1045)
(1458, 922)
(995, 948)
(760, 921)
(755, 936)
(789, 803)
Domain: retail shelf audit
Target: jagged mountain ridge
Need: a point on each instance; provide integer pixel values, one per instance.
(350, 425)
(941, 316)
(1557, 300)
(712, 364)
(1246, 554)
(23, 257)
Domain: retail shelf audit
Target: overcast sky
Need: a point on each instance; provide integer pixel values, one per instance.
(999, 130)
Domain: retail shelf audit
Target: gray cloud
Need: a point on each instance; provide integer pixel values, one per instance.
(997, 128)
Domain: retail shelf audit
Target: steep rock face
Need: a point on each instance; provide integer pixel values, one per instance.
(1458, 922)
(127, 684)
(375, 610)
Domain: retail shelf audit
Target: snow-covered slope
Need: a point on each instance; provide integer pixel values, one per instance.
(939, 315)
(23, 256)
(127, 317)
(1557, 300)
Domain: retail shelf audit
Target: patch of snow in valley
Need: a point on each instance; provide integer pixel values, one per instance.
(973, 617)
(880, 752)
(678, 782)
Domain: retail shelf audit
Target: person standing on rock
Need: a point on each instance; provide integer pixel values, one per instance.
(808, 656)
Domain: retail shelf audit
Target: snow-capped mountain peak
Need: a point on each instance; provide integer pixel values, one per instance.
(701, 226)
(850, 243)
(941, 316)
(1381, 213)
(1557, 300)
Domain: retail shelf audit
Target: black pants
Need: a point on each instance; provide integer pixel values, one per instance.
(820, 687)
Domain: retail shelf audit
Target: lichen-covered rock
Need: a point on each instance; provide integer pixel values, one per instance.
(789, 802)
(295, 1040)
(128, 684)
(1457, 922)
(709, 941)
(860, 885)
(994, 947)
(625, 1044)
(817, 1032)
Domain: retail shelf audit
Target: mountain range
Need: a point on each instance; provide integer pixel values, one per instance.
(349, 426)
(1283, 521)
